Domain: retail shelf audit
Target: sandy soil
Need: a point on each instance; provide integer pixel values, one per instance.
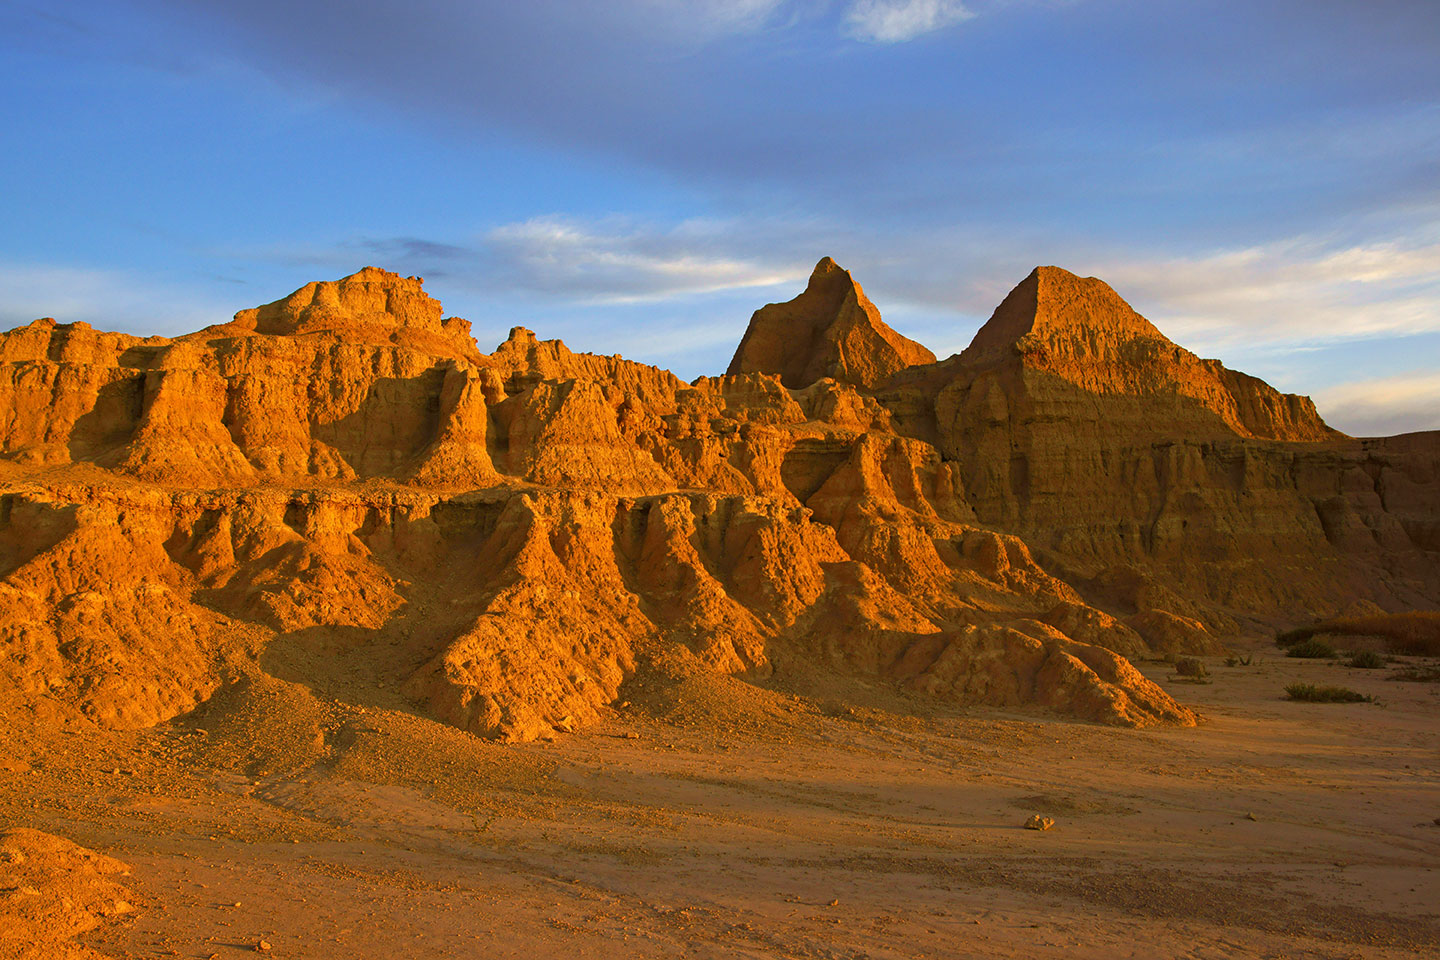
(730, 821)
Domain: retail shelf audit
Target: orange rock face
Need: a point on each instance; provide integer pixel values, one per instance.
(339, 488)
(54, 892)
(1074, 423)
(830, 330)
(1078, 332)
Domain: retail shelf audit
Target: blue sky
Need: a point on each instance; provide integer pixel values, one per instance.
(1261, 179)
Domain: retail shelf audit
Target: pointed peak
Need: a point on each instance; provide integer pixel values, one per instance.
(1061, 311)
(1077, 330)
(830, 330)
(831, 280)
(1052, 282)
(1060, 274)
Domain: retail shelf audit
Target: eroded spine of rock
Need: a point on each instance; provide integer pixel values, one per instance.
(506, 537)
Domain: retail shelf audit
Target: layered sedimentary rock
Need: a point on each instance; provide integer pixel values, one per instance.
(1056, 328)
(830, 330)
(1145, 474)
(340, 489)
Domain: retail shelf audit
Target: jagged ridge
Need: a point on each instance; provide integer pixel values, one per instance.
(507, 537)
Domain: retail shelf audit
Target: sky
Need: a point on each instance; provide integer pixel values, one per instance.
(1261, 179)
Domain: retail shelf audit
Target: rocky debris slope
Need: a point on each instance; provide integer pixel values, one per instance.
(339, 490)
(52, 891)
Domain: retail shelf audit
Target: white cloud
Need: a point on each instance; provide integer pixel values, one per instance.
(896, 21)
(1301, 291)
(1384, 406)
(106, 299)
(619, 262)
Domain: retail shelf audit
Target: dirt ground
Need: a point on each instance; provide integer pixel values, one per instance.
(732, 821)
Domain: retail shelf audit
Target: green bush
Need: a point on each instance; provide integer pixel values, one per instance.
(1313, 649)
(1367, 660)
(1311, 693)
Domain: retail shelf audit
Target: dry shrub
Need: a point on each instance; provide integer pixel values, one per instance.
(1418, 673)
(1413, 634)
(1314, 649)
(1314, 693)
(1190, 667)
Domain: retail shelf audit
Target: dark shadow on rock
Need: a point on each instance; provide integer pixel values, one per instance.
(101, 434)
(396, 421)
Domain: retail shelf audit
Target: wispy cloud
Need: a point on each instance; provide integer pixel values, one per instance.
(578, 261)
(896, 21)
(616, 261)
(414, 247)
(1282, 297)
(1295, 292)
(1384, 406)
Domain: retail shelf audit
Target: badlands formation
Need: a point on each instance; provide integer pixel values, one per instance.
(511, 536)
(336, 500)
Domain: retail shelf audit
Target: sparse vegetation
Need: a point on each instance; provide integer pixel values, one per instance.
(1288, 638)
(1413, 634)
(1191, 667)
(1189, 670)
(1316, 693)
(1367, 660)
(1418, 673)
(1244, 661)
(1312, 649)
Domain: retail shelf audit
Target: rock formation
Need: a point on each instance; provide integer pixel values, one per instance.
(53, 892)
(1138, 470)
(339, 488)
(830, 330)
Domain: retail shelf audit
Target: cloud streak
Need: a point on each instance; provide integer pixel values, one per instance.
(897, 21)
(1294, 292)
(616, 262)
(1385, 405)
(1270, 299)
(576, 261)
